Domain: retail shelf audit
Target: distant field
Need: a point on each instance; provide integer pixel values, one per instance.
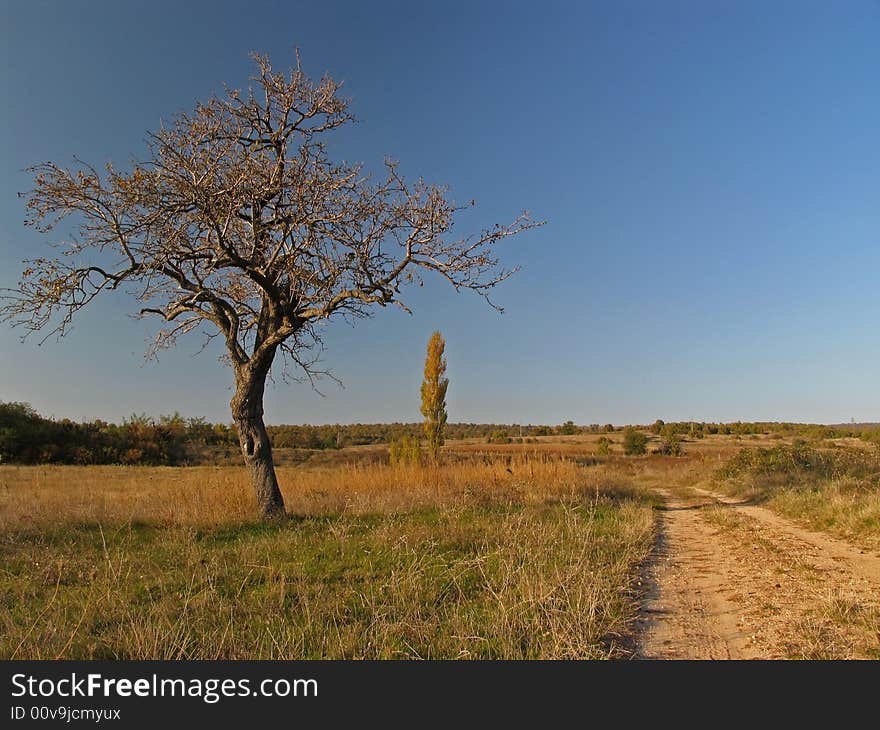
(580, 446)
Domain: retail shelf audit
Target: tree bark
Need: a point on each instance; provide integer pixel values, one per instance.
(247, 412)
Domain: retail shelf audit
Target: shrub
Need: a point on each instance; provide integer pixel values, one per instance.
(568, 429)
(499, 437)
(670, 442)
(800, 463)
(406, 450)
(634, 442)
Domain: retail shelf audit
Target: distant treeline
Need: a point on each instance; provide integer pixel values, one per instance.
(28, 438)
(811, 431)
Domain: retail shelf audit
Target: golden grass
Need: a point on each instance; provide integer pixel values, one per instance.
(50, 495)
(839, 507)
(523, 558)
(825, 616)
(834, 490)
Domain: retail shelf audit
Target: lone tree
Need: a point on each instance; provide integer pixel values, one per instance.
(434, 394)
(238, 220)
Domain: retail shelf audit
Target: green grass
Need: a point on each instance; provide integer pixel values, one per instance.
(540, 580)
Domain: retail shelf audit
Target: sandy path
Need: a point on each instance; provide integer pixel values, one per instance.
(737, 581)
(826, 551)
(686, 614)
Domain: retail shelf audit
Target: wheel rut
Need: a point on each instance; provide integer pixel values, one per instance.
(732, 580)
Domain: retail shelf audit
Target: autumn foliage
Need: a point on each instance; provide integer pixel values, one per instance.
(434, 394)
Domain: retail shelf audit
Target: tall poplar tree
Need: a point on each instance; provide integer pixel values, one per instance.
(434, 394)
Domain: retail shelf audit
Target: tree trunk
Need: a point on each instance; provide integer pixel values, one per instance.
(247, 412)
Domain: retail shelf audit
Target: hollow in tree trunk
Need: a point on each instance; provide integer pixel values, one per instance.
(247, 412)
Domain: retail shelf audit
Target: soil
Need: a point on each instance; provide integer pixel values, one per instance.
(733, 580)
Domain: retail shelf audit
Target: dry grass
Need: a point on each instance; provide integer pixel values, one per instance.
(52, 495)
(838, 507)
(832, 490)
(840, 626)
(804, 612)
(523, 558)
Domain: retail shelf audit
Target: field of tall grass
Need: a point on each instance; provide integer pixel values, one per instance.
(525, 557)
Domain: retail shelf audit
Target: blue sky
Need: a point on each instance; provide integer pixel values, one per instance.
(710, 172)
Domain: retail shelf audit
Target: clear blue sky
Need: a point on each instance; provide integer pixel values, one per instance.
(710, 172)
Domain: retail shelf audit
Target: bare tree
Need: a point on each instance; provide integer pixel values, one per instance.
(237, 218)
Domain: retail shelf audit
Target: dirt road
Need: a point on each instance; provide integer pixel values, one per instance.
(732, 580)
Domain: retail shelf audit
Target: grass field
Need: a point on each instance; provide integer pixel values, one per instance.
(502, 551)
(530, 558)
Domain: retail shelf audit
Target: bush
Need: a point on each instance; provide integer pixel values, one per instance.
(800, 464)
(406, 450)
(603, 446)
(670, 442)
(800, 474)
(634, 442)
(499, 437)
